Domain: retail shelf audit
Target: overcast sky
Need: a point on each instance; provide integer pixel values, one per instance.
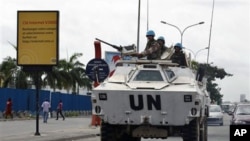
(115, 21)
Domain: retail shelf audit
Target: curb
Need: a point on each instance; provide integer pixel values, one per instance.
(75, 138)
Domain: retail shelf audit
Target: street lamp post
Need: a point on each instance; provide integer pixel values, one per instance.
(195, 54)
(182, 32)
(198, 52)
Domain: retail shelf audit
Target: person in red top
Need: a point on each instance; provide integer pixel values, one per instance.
(8, 110)
(59, 110)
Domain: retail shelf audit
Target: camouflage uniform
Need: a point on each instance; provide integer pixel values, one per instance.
(163, 49)
(152, 50)
(179, 58)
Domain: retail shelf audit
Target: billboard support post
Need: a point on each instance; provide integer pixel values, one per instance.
(37, 103)
(37, 45)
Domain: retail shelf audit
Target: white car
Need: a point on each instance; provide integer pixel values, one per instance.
(215, 115)
(241, 115)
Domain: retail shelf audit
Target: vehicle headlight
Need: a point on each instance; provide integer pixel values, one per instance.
(239, 122)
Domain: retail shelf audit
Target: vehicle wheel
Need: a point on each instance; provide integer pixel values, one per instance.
(107, 132)
(127, 137)
(191, 132)
(115, 133)
(135, 139)
(203, 130)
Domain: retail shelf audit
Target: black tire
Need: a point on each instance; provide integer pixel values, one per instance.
(191, 132)
(127, 137)
(115, 133)
(106, 132)
(203, 131)
(136, 139)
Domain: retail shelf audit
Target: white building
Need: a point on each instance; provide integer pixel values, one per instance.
(242, 98)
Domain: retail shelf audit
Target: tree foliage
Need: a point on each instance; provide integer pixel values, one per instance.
(68, 74)
(212, 73)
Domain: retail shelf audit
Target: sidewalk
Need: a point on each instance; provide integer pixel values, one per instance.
(55, 130)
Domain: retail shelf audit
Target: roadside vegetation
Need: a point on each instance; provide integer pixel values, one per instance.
(68, 74)
(212, 73)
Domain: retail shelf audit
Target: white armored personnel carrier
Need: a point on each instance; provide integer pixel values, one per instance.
(151, 99)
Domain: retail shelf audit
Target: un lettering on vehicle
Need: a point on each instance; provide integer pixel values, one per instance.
(145, 101)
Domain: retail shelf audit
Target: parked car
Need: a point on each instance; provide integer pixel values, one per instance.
(215, 115)
(241, 115)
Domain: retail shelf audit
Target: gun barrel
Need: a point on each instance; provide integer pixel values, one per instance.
(104, 42)
(114, 46)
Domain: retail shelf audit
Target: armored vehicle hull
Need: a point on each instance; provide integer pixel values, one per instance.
(152, 99)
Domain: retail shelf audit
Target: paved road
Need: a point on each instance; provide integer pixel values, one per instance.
(55, 130)
(79, 129)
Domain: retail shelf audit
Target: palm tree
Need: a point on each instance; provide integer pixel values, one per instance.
(51, 78)
(73, 73)
(8, 68)
(68, 75)
(12, 75)
(1, 79)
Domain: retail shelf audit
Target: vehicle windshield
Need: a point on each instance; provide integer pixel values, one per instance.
(214, 109)
(227, 107)
(243, 110)
(170, 73)
(148, 75)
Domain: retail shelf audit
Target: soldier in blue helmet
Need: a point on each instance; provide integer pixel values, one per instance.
(161, 41)
(178, 56)
(153, 49)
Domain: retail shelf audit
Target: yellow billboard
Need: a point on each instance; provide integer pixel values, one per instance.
(37, 37)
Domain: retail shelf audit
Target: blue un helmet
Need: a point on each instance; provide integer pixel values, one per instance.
(150, 33)
(179, 45)
(161, 38)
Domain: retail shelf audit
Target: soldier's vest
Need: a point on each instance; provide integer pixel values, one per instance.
(179, 58)
(154, 55)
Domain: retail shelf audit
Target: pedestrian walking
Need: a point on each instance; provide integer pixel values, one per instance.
(8, 109)
(46, 107)
(59, 110)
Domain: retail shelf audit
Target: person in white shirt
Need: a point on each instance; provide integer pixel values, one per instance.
(45, 106)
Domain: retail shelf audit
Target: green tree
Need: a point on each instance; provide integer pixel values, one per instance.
(212, 73)
(68, 75)
(51, 78)
(8, 69)
(12, 75)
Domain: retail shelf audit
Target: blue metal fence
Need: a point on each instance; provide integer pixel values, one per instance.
(25, 100)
